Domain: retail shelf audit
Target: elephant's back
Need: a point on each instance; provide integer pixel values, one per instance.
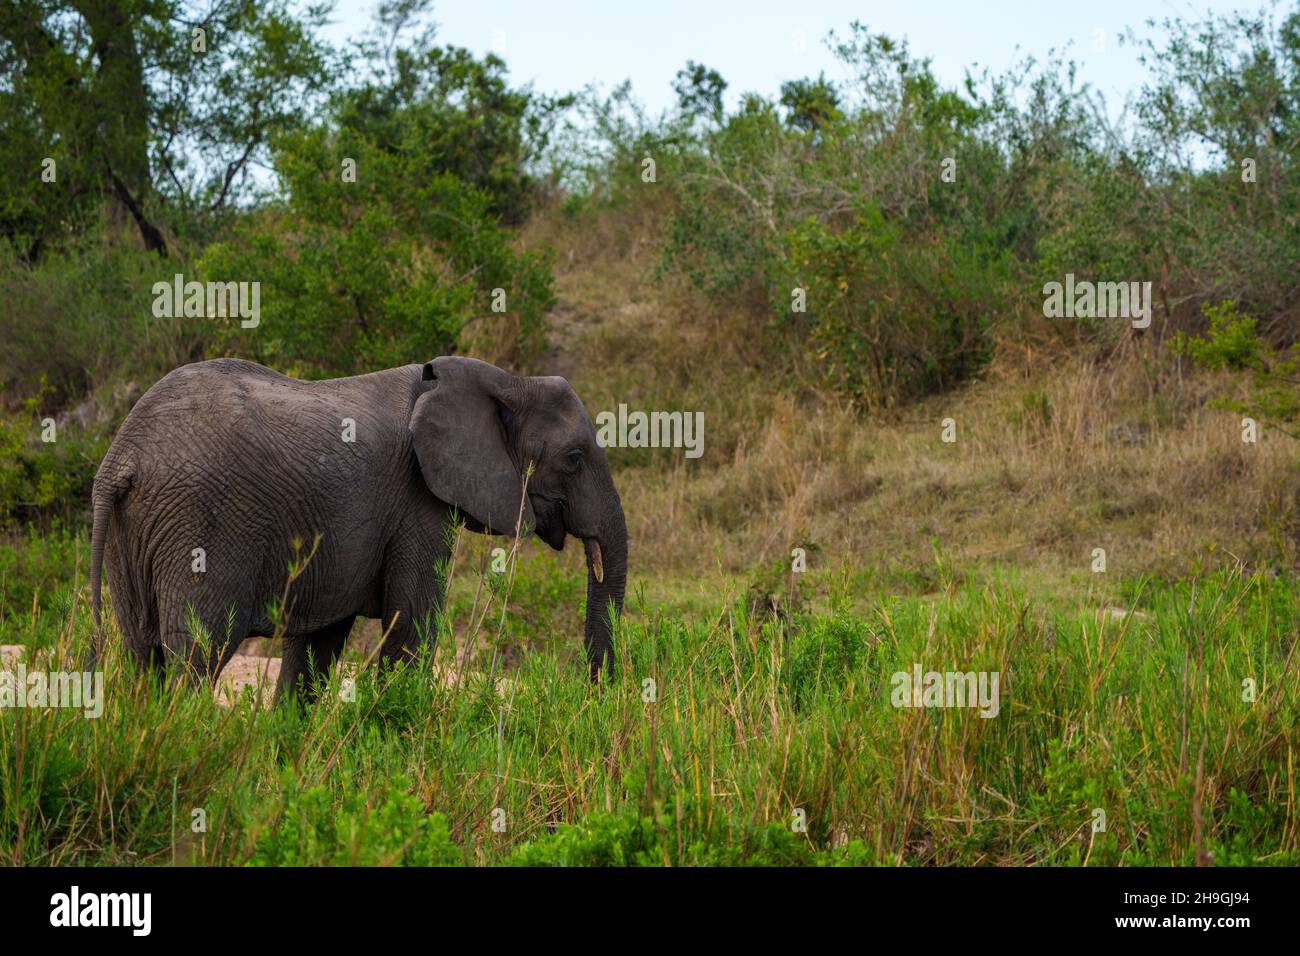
(232, 406)
(228, 427)
(245, 461)
(204, 412)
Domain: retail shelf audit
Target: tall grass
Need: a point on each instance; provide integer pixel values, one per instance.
(753, 722)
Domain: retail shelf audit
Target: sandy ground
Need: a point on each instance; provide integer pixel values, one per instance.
(246, 671)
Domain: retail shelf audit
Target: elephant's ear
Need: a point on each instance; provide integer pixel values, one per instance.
(459, 434)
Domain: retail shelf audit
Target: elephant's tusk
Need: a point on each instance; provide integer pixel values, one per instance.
(593, 557)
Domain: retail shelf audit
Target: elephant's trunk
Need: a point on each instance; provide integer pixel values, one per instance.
(606, 582)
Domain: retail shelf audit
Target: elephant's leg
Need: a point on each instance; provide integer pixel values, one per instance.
(307, 660)
(201, 641)
(410, 618)
(414, 575)
(134, 607)
(406, 630)
(145, 656)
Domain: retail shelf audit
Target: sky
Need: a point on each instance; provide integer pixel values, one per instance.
(756, 45)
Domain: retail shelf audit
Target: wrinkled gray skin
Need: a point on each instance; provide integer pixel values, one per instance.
(240, 461)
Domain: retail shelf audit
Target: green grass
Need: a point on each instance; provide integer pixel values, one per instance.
(756, 717)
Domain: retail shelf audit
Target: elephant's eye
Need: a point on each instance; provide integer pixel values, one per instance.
(575, 458)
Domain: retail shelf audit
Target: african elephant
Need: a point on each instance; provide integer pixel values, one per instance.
(225, 470)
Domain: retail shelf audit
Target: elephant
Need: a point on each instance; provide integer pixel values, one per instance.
(225, 473)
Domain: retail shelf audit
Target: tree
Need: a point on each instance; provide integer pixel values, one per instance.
(155, 108)
(389, 238)
(699, 91)
(449, 112)
(810, 104)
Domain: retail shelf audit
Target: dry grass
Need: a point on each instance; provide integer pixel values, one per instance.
(1060, 449)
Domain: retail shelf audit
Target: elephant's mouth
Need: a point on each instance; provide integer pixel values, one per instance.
(550, 520)
(551, 528)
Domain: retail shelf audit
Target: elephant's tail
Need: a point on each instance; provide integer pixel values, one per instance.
(104, 499)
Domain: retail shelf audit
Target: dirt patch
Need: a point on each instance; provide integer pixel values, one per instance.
(259, 675)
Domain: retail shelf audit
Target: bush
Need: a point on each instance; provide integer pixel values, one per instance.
(45, 478)
(1231, 343)
(73, 322)
(625, 839)
(449, 113)
(821, 655)
(40, 569)
(893, 316)
(318, 830)
(902, 273)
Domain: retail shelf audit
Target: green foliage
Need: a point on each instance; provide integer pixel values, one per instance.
(138, 113)
(1098, 229)
(920, 218)
(628, 840)
(83, 319)
(44, 478)
(810, 104)
(699, 91)
(320, 829)
(38, 570)
(822, 654)
(1231, 343)
(446, 113)
(754, 719)
(1227, 87)
(903, 273)
(603, 840)
(374, 273)
(892, 317)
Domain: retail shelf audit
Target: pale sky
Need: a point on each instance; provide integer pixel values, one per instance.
(561, 46)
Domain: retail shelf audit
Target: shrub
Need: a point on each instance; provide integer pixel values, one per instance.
(1231, 343)
(44, 478)
(73, 322)
(821, 654)
(892, 316)
(319, 830)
